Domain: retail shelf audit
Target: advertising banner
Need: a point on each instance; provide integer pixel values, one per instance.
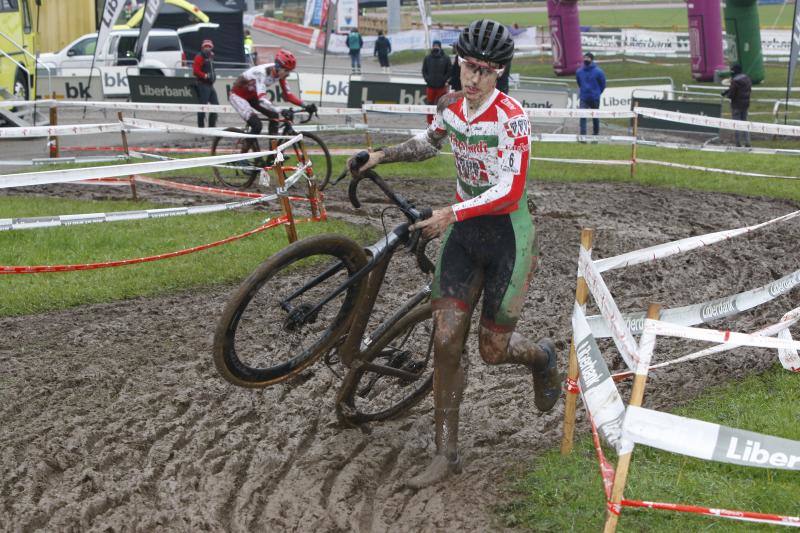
(619, 98)
(182, 90)
(654, 42)
(334, 89)
(111, 12)
(776, 43)
(151, 9)
(695, 108)
(379, 92)
(76, 88)
(346, 15)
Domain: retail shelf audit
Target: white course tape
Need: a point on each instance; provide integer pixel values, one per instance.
(78, 174)
(597, 387)
(397, 108)
(47, 131)
(717, 170)
(621, 335)
(718, 148)
(7, 224)
(613, 162)
(166, 127)
(721, 123)
(789, 358)
(586, 139)
(532, 112)
(708, 441)
(140, 106)
(665, 329)
(26, 103)
(661, 251)
(704, 312)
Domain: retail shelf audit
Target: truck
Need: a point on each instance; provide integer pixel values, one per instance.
(18, 38)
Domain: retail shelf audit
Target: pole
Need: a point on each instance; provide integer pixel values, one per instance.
(624, 463)
(367, 136)
(52, 142)
(124, 135)
(635, 139)
(291, 230)
(325, 49)
(571, 400)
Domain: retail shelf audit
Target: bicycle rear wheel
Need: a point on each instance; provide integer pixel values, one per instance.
(314, 148)
(237, 174)
(394, 375)
(278, 322)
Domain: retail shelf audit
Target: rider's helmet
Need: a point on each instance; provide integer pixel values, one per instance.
(285, 59)
(486, 40)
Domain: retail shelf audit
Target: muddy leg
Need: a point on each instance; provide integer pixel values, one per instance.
(448, 387)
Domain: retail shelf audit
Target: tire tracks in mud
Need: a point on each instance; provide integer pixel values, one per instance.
(110, 420)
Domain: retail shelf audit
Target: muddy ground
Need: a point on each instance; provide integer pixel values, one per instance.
(112, 416)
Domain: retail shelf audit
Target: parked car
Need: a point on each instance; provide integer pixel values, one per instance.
(162, 52)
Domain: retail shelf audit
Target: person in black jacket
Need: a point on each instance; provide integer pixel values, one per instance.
(382, 49)
(435, 71)
(739, 94)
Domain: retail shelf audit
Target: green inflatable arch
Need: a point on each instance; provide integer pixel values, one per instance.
(744, 34)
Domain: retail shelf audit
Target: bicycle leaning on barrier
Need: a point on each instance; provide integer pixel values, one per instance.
(313, 300)
(242, 174)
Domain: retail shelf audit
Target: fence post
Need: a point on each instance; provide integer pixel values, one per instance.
(571, 400)
(52, 142)
(291, 230)
(635, 139)
(624, 462)
(366, 131)
(124, 135)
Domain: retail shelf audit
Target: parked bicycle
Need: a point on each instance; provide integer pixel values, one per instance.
(314, 299)
(241, 174)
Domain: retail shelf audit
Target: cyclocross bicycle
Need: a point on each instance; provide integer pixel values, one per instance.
(241, 174)
(314, 299)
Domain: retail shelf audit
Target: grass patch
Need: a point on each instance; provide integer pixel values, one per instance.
(34, 293)
(666, 18)
(566, 494)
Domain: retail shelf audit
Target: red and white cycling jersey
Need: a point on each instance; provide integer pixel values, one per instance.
(252, 85)
(491, 151)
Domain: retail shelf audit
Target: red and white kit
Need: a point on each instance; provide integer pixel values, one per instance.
(250, 89)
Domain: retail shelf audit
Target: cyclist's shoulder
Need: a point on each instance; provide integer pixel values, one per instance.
(508, 108)
(451, 101)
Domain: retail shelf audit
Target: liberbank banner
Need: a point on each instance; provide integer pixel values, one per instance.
(163, 89)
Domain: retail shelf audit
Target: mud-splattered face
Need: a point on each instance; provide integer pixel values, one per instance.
(478, 79)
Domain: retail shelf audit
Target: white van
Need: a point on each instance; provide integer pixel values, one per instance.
(162, 52)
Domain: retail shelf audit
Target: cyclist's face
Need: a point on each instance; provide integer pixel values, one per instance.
(478, 79)
(281, 72)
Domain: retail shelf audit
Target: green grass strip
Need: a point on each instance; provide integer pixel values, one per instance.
(566, 493)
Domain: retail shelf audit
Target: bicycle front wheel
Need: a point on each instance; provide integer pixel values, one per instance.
(289, 311)
(313, 148)
(237, 174)
(394, 375)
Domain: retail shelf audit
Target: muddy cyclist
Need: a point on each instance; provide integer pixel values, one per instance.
(489, 242)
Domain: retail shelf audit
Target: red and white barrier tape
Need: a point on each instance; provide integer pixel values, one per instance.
(712, 169)
(64, 130)
(668, 249)
(64, 176)
(620, 334)
(666, 329)
(8, 224)
(691, 315)
(721, 123)
(744, 516)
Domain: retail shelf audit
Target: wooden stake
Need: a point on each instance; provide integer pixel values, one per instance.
(291, 230)
(624, 463)
(52, 142)
(366, 132)
(124, 135)
(635, 139)
(571, 401)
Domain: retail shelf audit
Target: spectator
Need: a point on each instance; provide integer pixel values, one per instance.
(203, 70)
(739, 94)
(591, 82)
(435, 71)
(382, 49)
(455, 73)
(354, 44)
(248, 48)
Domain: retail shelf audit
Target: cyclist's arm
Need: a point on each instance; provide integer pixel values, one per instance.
(427, 144)
(289, 95)
(513, 152)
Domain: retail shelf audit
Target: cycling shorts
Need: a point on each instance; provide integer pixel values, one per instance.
(493, 253)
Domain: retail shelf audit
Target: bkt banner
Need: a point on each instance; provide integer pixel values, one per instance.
(381, 92)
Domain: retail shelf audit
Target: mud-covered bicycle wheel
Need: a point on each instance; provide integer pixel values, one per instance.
(237, 174)
(395, 374)
(278, 322)
(313, 148)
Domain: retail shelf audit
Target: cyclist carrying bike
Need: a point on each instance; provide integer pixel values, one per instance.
(489, 242)
(249, 92)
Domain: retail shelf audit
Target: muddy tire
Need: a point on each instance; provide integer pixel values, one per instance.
(370, 393)
(270, 330)
(313, 147)
(237, 174)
